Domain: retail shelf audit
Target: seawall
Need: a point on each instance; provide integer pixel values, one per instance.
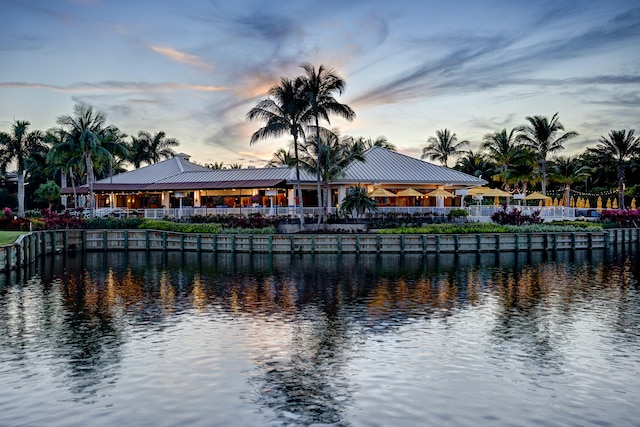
(30, 246)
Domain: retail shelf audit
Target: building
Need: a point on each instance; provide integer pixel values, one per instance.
(178, 183)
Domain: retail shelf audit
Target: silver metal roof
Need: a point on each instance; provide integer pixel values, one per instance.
(163, 170)
(386, 166)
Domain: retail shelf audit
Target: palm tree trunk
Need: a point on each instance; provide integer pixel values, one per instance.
(20, 193)
(621, 186)
(298, 183)
(92, 202)
(73, 185)
(318, 184)
(544, 176)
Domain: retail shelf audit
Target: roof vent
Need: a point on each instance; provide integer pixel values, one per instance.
(183, 156)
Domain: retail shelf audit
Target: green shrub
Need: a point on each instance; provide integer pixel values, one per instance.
(114, 223)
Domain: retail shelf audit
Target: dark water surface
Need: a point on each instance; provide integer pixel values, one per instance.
(138, 339)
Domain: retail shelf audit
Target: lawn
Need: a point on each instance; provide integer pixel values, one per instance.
(8, 237)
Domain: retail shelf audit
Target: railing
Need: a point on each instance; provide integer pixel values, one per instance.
(477, 212)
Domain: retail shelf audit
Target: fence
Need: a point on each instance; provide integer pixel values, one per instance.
(29, 246)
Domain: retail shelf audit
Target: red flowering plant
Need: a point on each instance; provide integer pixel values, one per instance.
(54, 221)
(10, 221)
(621, 217)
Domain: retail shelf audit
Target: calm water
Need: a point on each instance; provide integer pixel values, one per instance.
(203, 340)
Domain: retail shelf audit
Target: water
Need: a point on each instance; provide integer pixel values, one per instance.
(158, 339)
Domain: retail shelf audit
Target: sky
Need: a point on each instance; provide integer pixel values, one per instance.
(194, 68)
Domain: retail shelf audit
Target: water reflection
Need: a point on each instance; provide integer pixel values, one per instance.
(307, 319)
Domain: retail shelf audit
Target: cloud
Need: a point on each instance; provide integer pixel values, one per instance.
(183, 58)
(113, 86)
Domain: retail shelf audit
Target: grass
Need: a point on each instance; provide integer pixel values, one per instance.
(8, 237)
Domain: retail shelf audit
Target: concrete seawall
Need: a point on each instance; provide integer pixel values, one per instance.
(30, 246)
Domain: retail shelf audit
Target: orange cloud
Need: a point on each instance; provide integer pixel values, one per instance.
(183, 58)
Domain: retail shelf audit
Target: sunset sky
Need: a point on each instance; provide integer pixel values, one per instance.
(194, 68)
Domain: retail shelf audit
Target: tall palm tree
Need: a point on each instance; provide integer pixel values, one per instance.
(567, 171)
(542, 135)
(62, 158)
(160, 147)
(620, 147)
(86, 133)
(17, 146)
(525, 170)
(503, 149)
(284, 112)
(444, 145)
(319, 86)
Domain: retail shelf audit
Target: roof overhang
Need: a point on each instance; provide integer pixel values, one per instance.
(216, 185)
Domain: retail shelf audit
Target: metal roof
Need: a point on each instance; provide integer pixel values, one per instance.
(381, 166)
(386, 166)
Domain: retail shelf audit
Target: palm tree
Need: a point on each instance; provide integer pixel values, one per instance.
(86, 133)
(284, 111)
(525, 170)
(235, 166)
(160, 147)
(620, 147)
(474, 163)
(444, 145)
(541, 136)
(280, 158)
(380, 141)
(357, 200)
(17, 146)
(319, 86)
(334, 153)
(567, 171)
(503, 149)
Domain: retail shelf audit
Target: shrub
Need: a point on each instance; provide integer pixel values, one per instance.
(55, 221)
(114, 223)
(514, 216)
(620, 217)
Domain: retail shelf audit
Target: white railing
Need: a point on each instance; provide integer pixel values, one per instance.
(475, 212)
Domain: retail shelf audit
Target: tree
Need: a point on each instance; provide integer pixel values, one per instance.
(319, 86)
(541, 135)
(567, 171)
(475, 163)
(285, 112)
(87, 134)
(334, 153)
(380, 141)
(48, 192)
(620, 147)
(280, 158)
(65, 158)
(503, 149)
(235, 166)
(357, 200)
(444, 145)
(17, 146)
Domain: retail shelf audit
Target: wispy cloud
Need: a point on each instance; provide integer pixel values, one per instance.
(113, 86)
(183, 58)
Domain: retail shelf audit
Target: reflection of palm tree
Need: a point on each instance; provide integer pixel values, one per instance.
(444, 145)
(541, 135)
(620, 146)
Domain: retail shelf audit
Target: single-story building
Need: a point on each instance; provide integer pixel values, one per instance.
(179, 183)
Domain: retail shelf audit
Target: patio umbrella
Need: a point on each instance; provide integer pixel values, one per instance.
(381, 192)
(477, 191)
(536, 196)
(633, 203)
(409, 192)
(496, 192)
(440, 193)
(608, 203)
(599, 203)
